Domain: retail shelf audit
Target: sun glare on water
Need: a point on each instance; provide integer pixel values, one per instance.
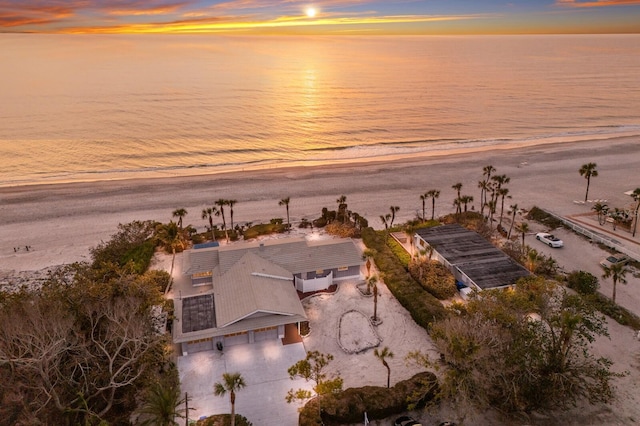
(311, 12)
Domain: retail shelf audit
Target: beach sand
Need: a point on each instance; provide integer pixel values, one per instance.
(61, 222)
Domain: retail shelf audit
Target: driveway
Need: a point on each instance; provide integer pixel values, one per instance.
(263, 366)
(580, 254)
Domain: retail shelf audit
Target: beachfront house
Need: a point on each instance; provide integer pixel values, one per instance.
(249, 292)
(473, 260)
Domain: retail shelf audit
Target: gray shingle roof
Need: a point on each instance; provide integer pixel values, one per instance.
(254, 285)
(297, 255)
(485, 264)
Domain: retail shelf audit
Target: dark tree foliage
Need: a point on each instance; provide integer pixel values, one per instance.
(84, 347)
(583, 282)
(524, 349)
(132, 242)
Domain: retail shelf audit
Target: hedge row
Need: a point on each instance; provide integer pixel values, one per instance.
(399, 251)
(349, 406)
(423, 307)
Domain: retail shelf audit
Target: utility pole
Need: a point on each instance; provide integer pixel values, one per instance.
(186, 409)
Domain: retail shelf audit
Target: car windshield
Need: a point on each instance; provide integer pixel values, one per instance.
(612, 259)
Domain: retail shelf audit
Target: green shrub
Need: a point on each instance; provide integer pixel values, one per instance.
(434, 277)
(223, 420)
(343, 230)
(348, 406)
(583, 282)
(423, 307)
(139, 256)
(617, 312)
(543, 217)
(398, 250)
(264, 229)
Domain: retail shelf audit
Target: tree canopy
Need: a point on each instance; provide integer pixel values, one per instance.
(523, 349)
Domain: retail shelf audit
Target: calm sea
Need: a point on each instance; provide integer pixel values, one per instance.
(90, 107)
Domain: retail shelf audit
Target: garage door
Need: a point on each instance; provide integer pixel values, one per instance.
(200, 345)
(236, 339)
(268, 334)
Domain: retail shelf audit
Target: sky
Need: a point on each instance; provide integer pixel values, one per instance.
(331, 17)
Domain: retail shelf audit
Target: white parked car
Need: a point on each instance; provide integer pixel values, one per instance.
(549, 239)
(614, 260)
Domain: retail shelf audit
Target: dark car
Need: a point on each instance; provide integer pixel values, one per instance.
(406, 421)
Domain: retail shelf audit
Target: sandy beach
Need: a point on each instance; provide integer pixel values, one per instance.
(61, 222)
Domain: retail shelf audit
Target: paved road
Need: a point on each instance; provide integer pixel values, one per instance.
(579, 253)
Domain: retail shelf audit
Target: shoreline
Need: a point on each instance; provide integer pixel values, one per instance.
(421, 155)
(61, 222)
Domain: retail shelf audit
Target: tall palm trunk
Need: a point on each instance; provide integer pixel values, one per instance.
(233, 408)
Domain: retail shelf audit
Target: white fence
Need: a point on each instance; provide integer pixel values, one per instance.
(315, 284)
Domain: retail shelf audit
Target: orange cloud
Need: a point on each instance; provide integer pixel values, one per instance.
(245, 23)
(596, 3)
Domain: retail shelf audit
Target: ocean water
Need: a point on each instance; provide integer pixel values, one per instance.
(91, 107)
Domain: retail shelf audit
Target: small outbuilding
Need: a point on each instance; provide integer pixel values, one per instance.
(472, 259)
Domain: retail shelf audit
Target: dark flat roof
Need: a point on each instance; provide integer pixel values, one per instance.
(198, 313)
(488, 266)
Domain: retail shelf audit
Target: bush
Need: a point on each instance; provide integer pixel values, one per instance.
(264, 229)
(583, 282)
(399, 252)
(343, 230)
(423, 307)
(128, 244)
(223, 420)
(434, 277)
(348, 406)
(139, 256)
(543, 217)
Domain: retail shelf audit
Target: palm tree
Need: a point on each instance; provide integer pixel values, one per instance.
(636, 197)
(161, 404)
(487, 170)
(424, 198)
(466, 199)
(523, 228)
(433, 193)
(231, 203)
(179, 213)
(513, 211)
(601, 210)
(491, 204)
(367, 255)
(208, 213)
(498, 182)
(484, 187)
(394, 210)
(372, 284)
(221, 203)
(617, 272)
(503, 192)
(457, 187)
(618, 216)
(171, 237)
(588, 171)
(382, 356)
(285, 202)
(533, 259)
(342, 205)
(232, 383)
(385, 220)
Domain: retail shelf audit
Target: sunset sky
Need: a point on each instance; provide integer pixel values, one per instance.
(321, 17)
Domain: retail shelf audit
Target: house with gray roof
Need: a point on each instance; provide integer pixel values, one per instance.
(472, 259)
(251, 289)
